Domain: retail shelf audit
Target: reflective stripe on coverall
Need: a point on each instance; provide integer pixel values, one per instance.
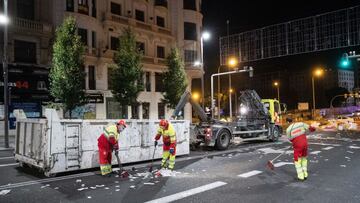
(106, 143)
(169, 140)
(296, 133)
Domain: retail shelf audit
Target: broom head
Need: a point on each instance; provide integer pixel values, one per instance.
(270, 165)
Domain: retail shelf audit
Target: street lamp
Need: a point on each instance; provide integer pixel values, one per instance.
(4, 20)
(232, 64)
(204, 37)
(317, 73)
(277, 85)
(195, 96)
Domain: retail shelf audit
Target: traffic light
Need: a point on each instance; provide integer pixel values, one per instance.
(345, 61)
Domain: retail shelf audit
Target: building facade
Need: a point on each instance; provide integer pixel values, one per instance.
(158, 25)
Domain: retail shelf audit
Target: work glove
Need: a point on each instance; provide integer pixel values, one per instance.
(155, 143)
(172, 151)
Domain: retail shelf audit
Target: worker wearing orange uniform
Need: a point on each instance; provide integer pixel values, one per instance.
(107, 142)
(166, 130)
(296, 133)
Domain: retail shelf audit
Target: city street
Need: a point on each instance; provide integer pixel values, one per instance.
(235, 175)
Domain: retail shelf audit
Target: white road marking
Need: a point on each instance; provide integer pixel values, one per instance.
(188, 193)
(269, 150)
(9, 157)
(279, 164)
(324, 144)
(315, 152)
(249, 174)
(354, 147)
(13, 164)
(327, 148)
(47, 180)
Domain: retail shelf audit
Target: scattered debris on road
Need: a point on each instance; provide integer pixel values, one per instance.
(4, 192)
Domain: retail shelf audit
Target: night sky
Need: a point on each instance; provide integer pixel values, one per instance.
(247, 15)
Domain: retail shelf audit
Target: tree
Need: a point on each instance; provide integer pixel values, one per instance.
(66, 75)
(174, 79)
(126, 73)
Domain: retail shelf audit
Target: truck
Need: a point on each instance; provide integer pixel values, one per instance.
(256, 119)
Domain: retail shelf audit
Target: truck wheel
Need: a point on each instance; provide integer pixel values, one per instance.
(223, 140)
(275, 135)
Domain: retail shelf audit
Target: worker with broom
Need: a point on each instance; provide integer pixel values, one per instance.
(107, 142)
(167, 131)
(296, 133)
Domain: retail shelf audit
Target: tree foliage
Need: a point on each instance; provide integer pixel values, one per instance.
(126, 73)
(174, 80)
(66, 75)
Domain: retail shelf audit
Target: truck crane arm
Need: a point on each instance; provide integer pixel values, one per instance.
(186, 97)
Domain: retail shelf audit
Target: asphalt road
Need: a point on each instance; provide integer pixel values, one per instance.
(235, 175)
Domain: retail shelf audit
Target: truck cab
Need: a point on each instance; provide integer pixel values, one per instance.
(274, 108)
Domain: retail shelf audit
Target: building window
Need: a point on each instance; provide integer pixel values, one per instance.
(24, 51)
(159, 84)
(190, 4)
(115, 43)
(135, 111)
(83, 35)
(93, 39)
(190, 31)
(92, 81)
(160, 52)
(141, 47)
(115, 8)
(190, 56)
(114, 110)
(70, 5)
(161, 3)
(25, 9)
(109, 73)
(93, 11)
(161, 110)
(83, 82)
(147, 82)
(145, 110)
(83, 7)
(140, 15)
(160, 21)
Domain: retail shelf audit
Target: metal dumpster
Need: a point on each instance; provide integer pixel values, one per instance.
(56, 145)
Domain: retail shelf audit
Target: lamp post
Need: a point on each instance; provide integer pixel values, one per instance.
(4, 20)
(232, 64)
(317, 73)
(277, 84)
(205, 36)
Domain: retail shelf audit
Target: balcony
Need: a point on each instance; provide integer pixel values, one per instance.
(143, 25)
(119, 19)
(164, 31)
(32, 26)
(138, 24)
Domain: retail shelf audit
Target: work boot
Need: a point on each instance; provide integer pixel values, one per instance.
(299, 170)
(304, 166)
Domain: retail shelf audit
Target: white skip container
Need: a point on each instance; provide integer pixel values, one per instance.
(56, 145)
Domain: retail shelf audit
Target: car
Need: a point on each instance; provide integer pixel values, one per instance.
(356, 113)
(344, 119)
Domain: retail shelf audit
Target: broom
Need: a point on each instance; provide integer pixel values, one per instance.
(152, 161)
(123, 173)
(270, 163)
